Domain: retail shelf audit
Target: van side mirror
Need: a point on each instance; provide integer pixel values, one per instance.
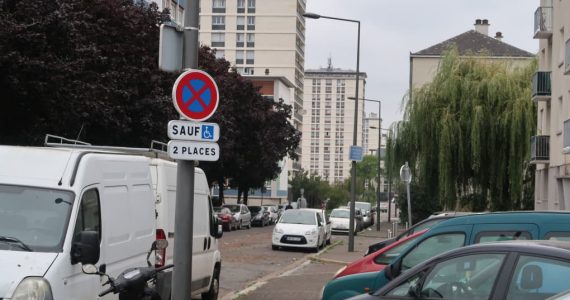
(216, 229)
(85, 248)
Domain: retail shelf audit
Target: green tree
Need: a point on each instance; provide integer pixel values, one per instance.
(468, 132)
(367, 175)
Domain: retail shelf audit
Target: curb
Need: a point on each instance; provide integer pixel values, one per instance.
(259, 282)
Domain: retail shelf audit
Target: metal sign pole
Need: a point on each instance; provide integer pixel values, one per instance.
(184, 217)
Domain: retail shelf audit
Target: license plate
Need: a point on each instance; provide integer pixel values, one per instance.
(294, 238)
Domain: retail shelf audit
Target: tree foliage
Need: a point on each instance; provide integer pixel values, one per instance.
(91, 66)
(468, 132)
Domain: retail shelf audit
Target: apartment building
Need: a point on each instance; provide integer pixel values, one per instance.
(259, 38)
(550, 149)
(175, 7)
(328, 125)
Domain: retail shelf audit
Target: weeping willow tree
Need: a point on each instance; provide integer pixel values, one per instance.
(468, 132)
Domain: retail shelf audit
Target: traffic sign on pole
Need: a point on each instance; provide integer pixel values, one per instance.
(355, 153)
(195, 95)
(193, 131)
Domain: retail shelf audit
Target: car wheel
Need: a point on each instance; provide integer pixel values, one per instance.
(212, 293)
(240, 225)
(273, 247)
(249, 225)
(329, 241)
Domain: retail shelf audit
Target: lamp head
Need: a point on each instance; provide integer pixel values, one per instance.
(311, 15)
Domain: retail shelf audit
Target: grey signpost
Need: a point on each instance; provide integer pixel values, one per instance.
(406, 176)
(179, 51)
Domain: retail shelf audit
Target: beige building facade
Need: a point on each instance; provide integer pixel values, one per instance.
(328, 124)
(550, 149)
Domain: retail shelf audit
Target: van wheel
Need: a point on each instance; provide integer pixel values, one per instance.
(212, 293)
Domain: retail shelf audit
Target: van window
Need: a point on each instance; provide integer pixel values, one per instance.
(494, 236)
(388, 256)
(558, 236)
(538, 278)
(89, 215)
(431, 247)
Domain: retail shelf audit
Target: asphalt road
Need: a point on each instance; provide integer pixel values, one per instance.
(247, 257)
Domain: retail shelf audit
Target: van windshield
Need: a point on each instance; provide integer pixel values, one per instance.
(33, 218)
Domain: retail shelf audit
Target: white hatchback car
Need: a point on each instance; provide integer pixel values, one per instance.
(300, 228)
(340, 221)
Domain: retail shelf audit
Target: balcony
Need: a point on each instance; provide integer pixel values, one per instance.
(540, 149)
(543, 22)
(541, 86)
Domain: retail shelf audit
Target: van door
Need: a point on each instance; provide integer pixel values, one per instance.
(491, 232)
(78, 285)
(203, 252)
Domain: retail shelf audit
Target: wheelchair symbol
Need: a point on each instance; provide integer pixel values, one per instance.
(207, 132)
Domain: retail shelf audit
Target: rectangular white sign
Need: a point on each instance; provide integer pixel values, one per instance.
(193, 131)
(186, 150)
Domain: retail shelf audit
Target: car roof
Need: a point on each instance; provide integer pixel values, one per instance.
(508, 217)
(543, 247)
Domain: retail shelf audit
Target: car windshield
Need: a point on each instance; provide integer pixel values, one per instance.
(254, 209)
(363, 206)
(340, 213)
(233, 208)
(33, 218)
(294, 216)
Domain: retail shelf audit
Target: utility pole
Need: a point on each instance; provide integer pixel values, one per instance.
(184, 216)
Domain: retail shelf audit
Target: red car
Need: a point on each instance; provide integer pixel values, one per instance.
(226, 218)
(379, 259)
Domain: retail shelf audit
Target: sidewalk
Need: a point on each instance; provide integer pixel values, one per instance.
(306, 279)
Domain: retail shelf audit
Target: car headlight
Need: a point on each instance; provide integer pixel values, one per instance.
(278, 230)
(311, 232)
(35, 288)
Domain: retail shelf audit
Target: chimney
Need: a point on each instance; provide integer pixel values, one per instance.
(499, 36)
(482, 26)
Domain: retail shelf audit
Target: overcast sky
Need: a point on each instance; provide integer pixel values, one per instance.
(390, 30)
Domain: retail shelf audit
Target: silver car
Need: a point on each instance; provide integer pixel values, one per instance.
(241, 213)
(273, 213)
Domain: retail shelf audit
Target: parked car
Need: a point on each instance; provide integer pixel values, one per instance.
(451, 234)
(379, 259)
(327, 224)
(299, 228)
(384, 206)
(366, 211)
(424, 224)
(226, 217)
(273, 213)
(259, 216)
(340, 221)
(499, 270)
(241, 213)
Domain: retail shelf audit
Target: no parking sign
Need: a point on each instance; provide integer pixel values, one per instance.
(195, 95)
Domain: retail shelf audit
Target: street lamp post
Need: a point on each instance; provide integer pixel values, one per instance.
(379, 156)
(354, 137)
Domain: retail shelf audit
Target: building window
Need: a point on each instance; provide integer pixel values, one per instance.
(250, 6)
(218, 40)
(240, 6)
(251, 39)
(240, 21)
(249, 57)
(239, 39)
(250, 23)
(219, 6)
(247, 71)
(239, 57)
(218, 23)
(220, 53)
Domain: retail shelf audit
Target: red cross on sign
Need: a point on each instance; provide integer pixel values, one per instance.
(195, 95)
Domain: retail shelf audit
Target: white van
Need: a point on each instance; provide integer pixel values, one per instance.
(206, 257)
(61, 207)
